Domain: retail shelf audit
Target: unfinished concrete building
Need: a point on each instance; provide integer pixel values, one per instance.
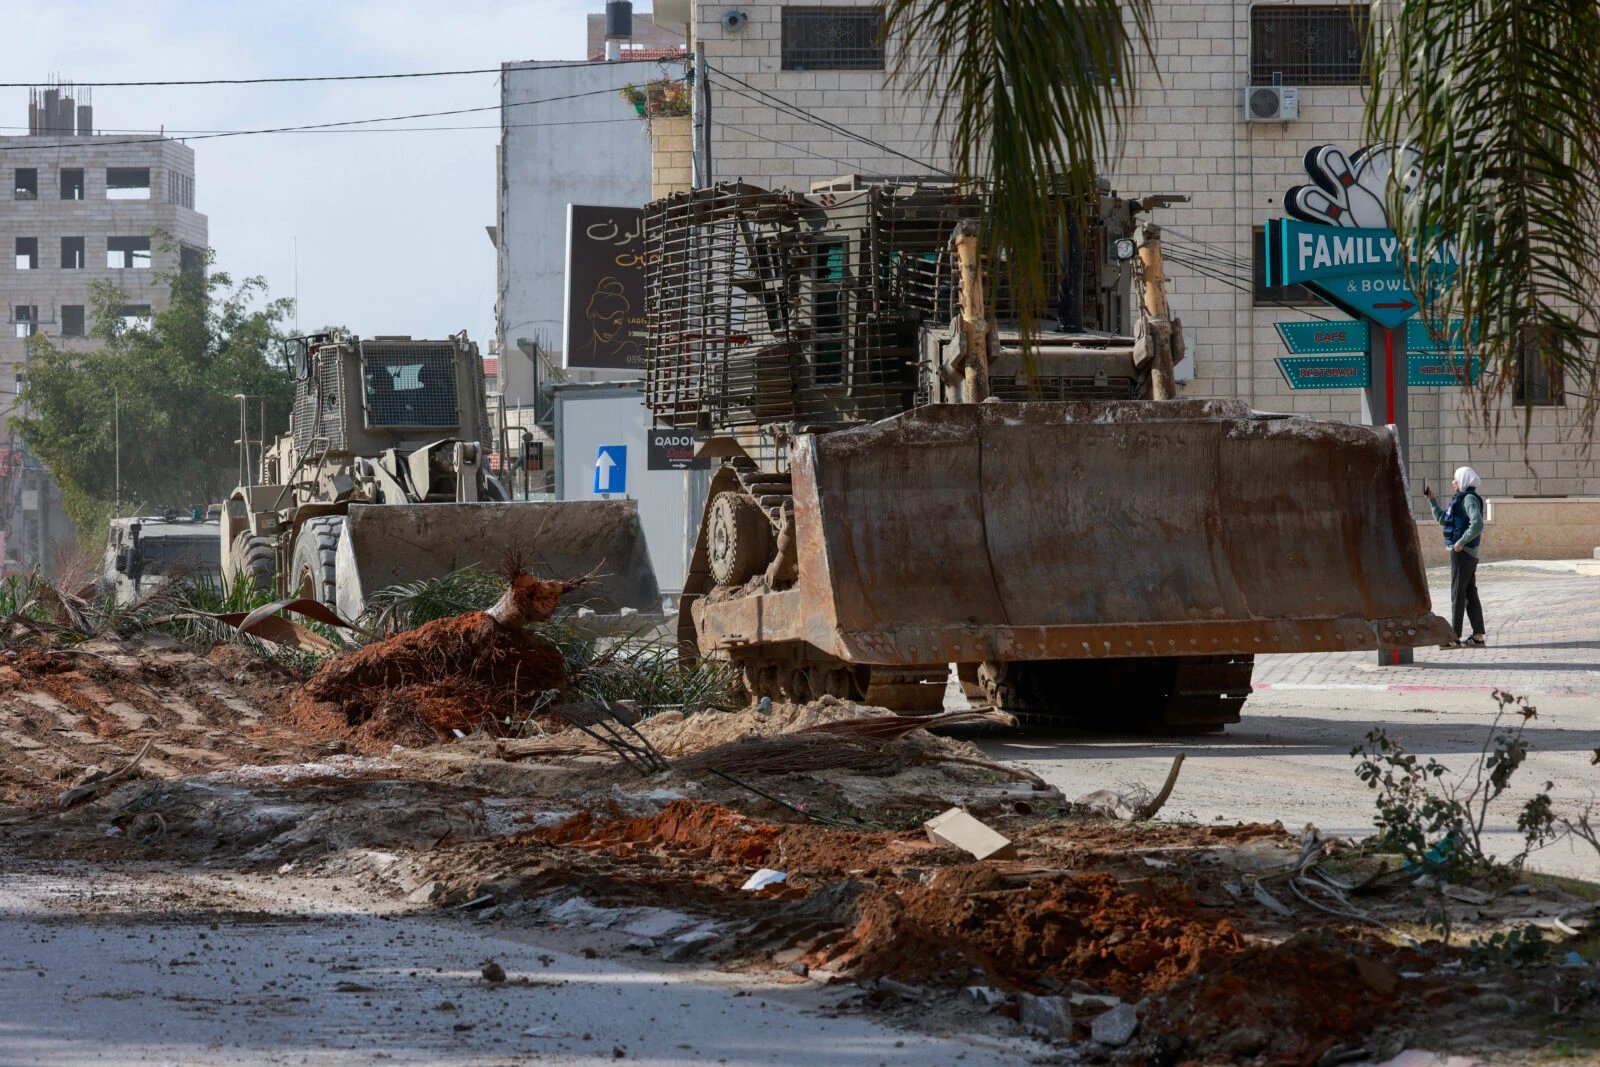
(81, 207)
(85, 208)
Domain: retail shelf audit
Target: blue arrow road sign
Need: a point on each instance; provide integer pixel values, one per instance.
(1320, 338)
(611, 469)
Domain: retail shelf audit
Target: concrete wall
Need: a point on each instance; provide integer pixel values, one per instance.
(671, 155)
(1187, 134)
(49, 218)
(583, 145)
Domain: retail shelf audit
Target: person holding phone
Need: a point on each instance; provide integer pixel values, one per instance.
(1463, 530)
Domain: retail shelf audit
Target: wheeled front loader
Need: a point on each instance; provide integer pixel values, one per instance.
(382, 479)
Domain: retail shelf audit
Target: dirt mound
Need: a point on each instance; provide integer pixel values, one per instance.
(676, 735)
(1290, 1003)
(710, 831)
(966, 916)
(462, 673)
(1080, 926)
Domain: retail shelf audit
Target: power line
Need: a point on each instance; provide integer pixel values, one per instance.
(309, 77)
(803, 151)
(315, 126)
(172, 135)
(784, 107)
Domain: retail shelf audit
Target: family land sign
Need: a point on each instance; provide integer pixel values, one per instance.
(1339, 245)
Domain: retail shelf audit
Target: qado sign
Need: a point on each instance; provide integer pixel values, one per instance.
(673, 450)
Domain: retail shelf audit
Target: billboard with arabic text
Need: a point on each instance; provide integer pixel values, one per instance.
(605, 288)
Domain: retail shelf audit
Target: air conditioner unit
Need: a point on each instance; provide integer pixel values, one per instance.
(1271, 103)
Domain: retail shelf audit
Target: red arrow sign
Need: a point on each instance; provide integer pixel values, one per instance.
(1404, 305)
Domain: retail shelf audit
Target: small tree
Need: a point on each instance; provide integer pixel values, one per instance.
(169, 381)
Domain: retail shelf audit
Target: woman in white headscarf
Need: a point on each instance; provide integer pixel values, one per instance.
(1463, 529)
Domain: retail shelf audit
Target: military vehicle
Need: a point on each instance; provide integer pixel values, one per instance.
(383, 478)
(908, 480)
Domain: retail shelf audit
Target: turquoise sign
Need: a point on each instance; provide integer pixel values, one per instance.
(1386, 301)
(1433, 336)
(1438, 368)
(1325, 372)
(1353, 268)
(1318, 338)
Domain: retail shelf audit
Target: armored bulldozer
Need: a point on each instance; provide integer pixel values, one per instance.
(908, 482)
(383, 478)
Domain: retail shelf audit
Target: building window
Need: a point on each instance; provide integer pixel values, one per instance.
(72, 254)
(25, 319)
(26, 184)
(71, 320)
(72, 183)
(1538, 385)
(128, 252)
(127, 183)
(190, 258)
(1299, 44)
(27, 253)
(134, 315)
(180, 189)
(1293, 295)
(832, 38)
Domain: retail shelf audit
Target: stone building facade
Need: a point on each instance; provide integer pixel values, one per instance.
(82, 209)
(800, 92)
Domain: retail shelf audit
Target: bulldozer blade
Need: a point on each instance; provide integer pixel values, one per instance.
(388, 544)
(1048, 531)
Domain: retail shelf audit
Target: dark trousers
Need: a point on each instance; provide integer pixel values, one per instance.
(1464, 592)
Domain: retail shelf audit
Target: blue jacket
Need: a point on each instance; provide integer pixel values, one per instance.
(1462, 520)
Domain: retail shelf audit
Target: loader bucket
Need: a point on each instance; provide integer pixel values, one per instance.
(1048, 531)
(387, 544)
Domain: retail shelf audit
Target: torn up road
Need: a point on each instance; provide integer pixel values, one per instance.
(818, 882)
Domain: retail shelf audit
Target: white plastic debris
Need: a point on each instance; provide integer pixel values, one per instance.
(764, 877)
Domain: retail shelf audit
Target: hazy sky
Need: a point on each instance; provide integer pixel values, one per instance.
(390, 225)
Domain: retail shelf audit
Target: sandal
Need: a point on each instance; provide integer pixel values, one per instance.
(1452, 645)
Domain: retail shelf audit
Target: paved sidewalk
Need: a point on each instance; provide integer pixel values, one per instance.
(1543, 621)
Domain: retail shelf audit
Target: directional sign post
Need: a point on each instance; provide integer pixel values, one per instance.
(611, 470)
(1320, 338)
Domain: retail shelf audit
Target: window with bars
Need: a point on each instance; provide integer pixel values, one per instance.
(832, 38)
(409, 385)
(1303, 44)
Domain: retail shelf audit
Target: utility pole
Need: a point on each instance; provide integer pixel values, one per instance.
(116, 433)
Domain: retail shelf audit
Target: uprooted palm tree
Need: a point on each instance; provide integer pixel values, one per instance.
(1500, 100)
(1028, 93)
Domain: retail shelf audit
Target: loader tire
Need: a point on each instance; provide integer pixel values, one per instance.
(739, 539)
(316, 548)
(255, 558)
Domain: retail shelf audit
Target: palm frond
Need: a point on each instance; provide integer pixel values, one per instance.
(1027, 92)
(1500, 100)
